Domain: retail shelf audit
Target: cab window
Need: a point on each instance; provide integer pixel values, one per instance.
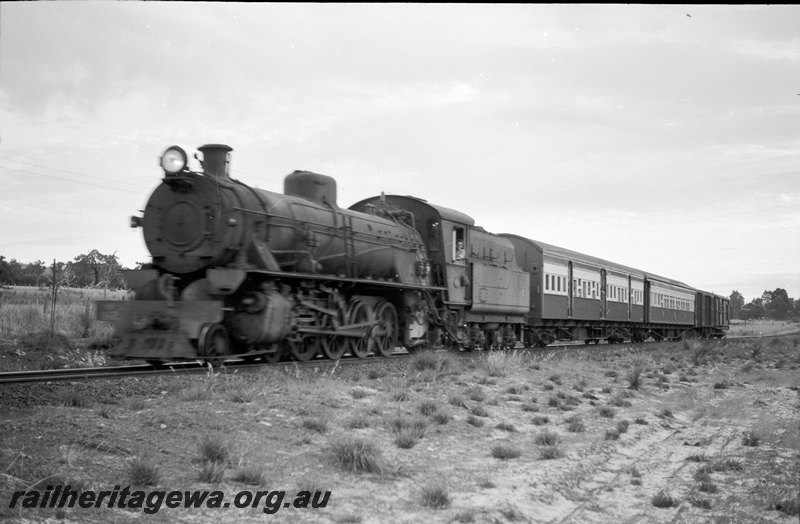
(459, 245)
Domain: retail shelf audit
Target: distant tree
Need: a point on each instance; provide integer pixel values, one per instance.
(10, 270)
(777, 304)
(753, 309)
(5, 272)
(737, 303)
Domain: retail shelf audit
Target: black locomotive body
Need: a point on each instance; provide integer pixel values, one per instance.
(241, 271)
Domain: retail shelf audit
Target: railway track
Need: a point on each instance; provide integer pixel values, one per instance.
(52, 375)
(55, 375)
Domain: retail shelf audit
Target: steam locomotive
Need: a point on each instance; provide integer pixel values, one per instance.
(241, 271)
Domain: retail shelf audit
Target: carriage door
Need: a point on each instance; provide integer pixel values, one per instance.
(603, 292)
(571, 291)
(630, 296)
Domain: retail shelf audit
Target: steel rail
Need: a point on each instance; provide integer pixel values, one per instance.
(54, 375)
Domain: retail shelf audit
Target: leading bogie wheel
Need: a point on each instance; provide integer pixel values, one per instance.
(304, 349)
(213, 341)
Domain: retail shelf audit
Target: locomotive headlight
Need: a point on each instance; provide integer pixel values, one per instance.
(174, 160)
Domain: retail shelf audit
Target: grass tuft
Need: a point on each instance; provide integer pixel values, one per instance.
(211, 472)
(142, 472)
(434, 496)
(663, 499)
(635, 375)
(505, 452)
(357, 455)
(250, 475)
(213, 449)
(547, 438)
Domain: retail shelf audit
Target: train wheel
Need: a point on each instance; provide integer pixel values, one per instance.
(385, 332)
(274, 356)
(363, 346)
(213, 341)
(305, 349)
(333, 346)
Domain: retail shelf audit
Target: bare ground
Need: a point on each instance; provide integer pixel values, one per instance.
(712, 432)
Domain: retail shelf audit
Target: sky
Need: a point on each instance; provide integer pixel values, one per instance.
(661, 137)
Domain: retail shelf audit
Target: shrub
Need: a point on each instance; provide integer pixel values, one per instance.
(550, 452)
(505, 426)
(424, 360)
(547, 438)
(442, 417)
(575, 424)
(479, 411)
(663, 499)
(635, 375)
(475, 421)
(500, 363)
(359, 393)
(622, 426)
(406, 439)
(696, 458)
(612, 434)
(412, 427)
(640, 420)
(540, 420)
(428, 407)
(74, 398)
(698, 350)
(706, 486)
(476, 393)
(211, 472)
(320, 426)
(505, 452)
(213, 449)
(357, 455)
(142, 472)
(251, 475)
(703, 474)
(435, 497)
(700, 503)
(357, 421)
(606, 412)
(727, 464)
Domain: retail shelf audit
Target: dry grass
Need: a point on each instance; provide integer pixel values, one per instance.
(357, 455)
(297, 426)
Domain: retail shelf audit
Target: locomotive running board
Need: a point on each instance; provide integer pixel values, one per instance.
(236, 274)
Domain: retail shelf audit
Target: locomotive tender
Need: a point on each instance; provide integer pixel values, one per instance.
(242, 271)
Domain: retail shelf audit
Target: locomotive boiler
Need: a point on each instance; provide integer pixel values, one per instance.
(238, 269)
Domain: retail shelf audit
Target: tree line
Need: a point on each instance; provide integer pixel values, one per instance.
(774, 305)
(92, 269)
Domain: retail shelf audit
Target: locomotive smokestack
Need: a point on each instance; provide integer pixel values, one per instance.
(216, 160)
